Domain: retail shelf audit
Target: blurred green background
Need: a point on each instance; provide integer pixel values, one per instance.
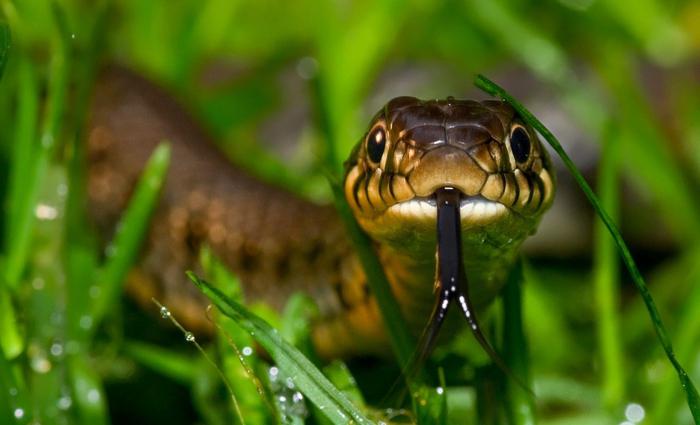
(617, 82)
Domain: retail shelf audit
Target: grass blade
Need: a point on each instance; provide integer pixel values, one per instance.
(5, 43)
(308, 378)
(520, 405)
(606, 279)
(87, 391)
(691, 392)
(131, 231)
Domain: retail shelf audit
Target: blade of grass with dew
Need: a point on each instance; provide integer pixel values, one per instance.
(307, 377)
(606, 278)
(691, 392)
(687, 333)
(14, 393)
(131, 231)
(234, 345)
(236, 416)
(430, 405)
(520, 406)
(87, 391)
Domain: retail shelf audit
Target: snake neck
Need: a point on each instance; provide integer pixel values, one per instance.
(486, 261)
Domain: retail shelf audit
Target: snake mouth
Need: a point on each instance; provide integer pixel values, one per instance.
(473, 209)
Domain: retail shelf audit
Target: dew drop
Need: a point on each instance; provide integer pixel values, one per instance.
(38, 283)
(41, 364)
(19, 413)
(94, 291)
(56, 349)
(64, 403)
(45, 212)
(62, 189)
(164, 312)
(440, 390)
(634, 412)
(189, 337)
(86, 322)
(93, 396)
(247, 351)
(307, 67)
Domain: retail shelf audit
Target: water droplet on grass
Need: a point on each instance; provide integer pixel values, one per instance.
(634, 412)
(93, 396)
(189, 337)
(164, 312)
(86, 322)
(64, 403)
(56, 349)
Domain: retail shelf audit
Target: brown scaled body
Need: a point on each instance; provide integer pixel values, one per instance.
(274, 242)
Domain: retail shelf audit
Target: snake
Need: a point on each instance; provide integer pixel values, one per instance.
(499, 176)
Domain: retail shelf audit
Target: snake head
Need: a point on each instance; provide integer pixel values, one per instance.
(483, 149)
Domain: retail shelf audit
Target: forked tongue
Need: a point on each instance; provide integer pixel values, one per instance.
(452, 286)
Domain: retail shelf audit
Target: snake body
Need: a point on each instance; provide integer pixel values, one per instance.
(278, 243)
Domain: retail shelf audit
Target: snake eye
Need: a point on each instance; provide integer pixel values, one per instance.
(375, 144)
(520, 144)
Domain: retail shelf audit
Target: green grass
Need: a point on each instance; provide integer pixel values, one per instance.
(686, 383)
(71, 346)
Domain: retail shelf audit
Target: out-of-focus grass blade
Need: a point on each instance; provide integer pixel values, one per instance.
(606, 277)
(687, 333)
(87, 391)
(339, 374)
(33, 172)
(11, 341)
(349, 52)
(164, 361)
(131, 230)
(519, 404)
(691, 392)
(647, 148)
(237, 358)
(430, 405)
(308, 379)
(13, 401)
(296, 323)
(5, 42)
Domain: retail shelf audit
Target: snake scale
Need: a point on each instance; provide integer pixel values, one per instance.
(277, 243)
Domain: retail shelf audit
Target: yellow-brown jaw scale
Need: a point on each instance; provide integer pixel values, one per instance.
(482, 149)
